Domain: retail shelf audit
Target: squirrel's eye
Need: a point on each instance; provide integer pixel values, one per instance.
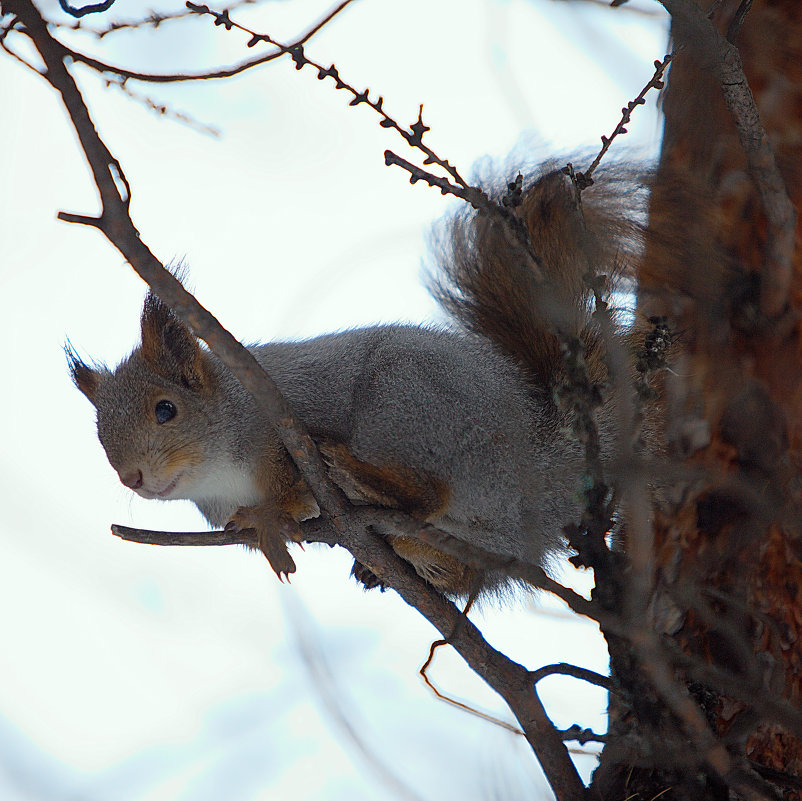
(165, 410)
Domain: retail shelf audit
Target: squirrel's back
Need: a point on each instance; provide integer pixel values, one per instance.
(451, 419)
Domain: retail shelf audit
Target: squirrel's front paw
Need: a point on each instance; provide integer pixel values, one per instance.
(273, 529)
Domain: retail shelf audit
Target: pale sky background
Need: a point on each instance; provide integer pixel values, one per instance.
(133, 673)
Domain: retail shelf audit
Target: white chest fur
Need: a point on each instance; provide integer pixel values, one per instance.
(225, 482)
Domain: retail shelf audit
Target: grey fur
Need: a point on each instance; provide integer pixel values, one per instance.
(448, 404)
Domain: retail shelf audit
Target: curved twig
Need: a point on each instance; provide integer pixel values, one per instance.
(92, 8)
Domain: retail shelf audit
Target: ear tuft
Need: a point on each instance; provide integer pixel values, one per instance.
(156, 318)
(86, 378)
(170, 349)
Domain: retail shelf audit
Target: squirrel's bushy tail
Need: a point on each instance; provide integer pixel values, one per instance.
(524, 298)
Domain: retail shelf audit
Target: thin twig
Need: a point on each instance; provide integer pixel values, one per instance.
(412, 135)
(470, 194)
(738, 21)
(424, 673)
(161, 109)
(584, 178)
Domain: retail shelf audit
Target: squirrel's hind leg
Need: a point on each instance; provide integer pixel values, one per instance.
(400, 487)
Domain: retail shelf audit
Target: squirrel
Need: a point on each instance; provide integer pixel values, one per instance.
(458, 426)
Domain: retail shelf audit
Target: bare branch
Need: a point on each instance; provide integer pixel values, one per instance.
(564, 669)
(162, 109)
(470, 194)
(738, 21)
(184, 538)
(424, 672)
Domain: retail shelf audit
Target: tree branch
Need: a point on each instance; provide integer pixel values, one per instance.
(412, 135)
(346, 526)
(185, 538)
(116, 224)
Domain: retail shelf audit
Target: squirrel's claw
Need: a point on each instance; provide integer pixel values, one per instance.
(275, 550)
(272, 532)
(279, 558)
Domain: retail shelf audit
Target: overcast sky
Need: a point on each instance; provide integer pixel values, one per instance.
(132, 672)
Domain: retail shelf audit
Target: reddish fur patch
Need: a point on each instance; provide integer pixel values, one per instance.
(417, 493)
(442, 570)
(395, 486)
(278, 480)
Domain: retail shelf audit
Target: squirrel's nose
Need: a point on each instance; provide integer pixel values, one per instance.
(132, 479)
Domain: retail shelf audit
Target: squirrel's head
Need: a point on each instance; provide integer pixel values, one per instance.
(151, 416)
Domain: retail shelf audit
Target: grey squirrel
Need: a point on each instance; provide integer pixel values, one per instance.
(458, 427)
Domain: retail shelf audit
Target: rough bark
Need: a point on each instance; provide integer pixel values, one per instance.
(728, 576)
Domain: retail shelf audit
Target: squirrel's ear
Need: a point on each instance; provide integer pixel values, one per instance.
(86, 378)
(170, 349)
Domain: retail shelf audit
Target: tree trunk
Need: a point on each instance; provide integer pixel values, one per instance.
(728, 569)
